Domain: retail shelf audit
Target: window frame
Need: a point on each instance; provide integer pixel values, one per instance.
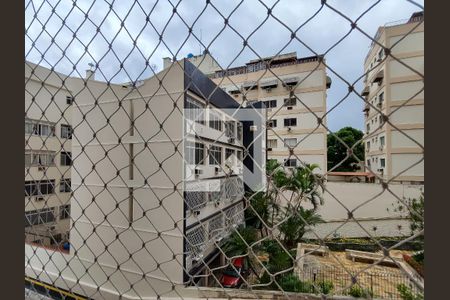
(66, 131)
(288, 121)
(67, 155)
(215, 155)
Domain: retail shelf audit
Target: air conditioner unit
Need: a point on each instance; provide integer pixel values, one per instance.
(289, 107)
(198, 172)
(381, 170)
(216, 170)
(289, 129)
(269, 149)
(39, 198)
(195, 213)
(41, 168)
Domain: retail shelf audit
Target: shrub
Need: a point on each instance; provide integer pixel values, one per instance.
(359, 292)
(420, 257)
(414, 264)
(325, 287)
(407, 294)
(291, 283)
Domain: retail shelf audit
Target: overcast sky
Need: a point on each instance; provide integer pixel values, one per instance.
(270, 38)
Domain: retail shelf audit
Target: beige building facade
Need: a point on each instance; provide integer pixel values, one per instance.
(394, 87)
(294, 91)
(156, 203)
(48, 156)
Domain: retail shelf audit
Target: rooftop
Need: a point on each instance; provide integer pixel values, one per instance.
(271, 62)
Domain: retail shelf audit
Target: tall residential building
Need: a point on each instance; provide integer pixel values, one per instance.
(48, 155)
(294, 90)
(394, 87)
(162, 197)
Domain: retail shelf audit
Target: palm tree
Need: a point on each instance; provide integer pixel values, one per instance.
(296, 224)
(237, 245)
(304, 185)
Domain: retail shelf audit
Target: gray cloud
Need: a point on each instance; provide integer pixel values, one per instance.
(321, 33)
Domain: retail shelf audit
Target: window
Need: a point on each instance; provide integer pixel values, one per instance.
(290, 102)
(64, 185)
(66, 158)
(40, 216)
(40, 128)
(39, 158)
(272, 143)
(290, 122)
(229, 152)
(31, 188)
(291, 162)
(194, 153)
(194, 110)
(382, 141)
(42, 187)
(239, 131)
(380, 54)
(214, 121)
(47, 187)
(239, 155)
(230, 129)
(270, 103)
(368, 145)
(69, 100)
(215, 155)
(382, 162)
(272, 123)
(381, 98)
(291, 143)
(368, 162)
(367, 127)
(64, 212)
(66, 131)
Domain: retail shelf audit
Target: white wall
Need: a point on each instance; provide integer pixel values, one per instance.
(399, 70)
(411, 43)
(401, 162)
(373, 213)
(399, 140)
(407, 90)
(408, 115)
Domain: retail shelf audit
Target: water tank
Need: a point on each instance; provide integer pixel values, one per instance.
(190, 55)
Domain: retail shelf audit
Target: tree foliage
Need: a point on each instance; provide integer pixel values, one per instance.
(338, 152)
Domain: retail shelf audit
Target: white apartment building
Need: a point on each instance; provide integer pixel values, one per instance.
(48, 156)
(294, 92)
(294, 123)
(395, 90)
(162, 197)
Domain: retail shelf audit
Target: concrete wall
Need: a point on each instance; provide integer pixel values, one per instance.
(373, 213)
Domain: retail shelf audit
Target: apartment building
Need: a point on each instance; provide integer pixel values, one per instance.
(394, 87)
(294, 91)
(48, 157)
(167, 188)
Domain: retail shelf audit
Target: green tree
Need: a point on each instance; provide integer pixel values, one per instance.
(238, 241)
(337, 152)
(296, 224)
